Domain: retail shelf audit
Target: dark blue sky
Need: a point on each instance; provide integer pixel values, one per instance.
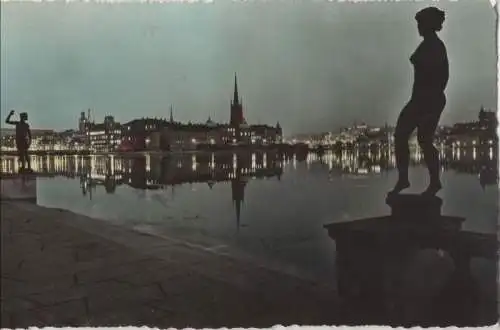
(312, 66)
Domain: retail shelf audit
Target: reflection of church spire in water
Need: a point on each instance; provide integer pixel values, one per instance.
(238, 194)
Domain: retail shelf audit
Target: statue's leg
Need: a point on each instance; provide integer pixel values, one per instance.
(425, 132)
(22, 158)
(406, 124)
(27, 157)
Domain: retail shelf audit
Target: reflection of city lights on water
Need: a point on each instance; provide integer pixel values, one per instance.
(248, 165)
(441, 153)
(363, 171)
(212, 160)
(119, 166)
(112, 161)
(148, 163)
(417, 155)
(194, 162)
(92, 162)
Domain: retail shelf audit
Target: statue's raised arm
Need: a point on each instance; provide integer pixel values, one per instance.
(9, 121)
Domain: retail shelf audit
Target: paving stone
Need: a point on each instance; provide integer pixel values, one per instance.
(133, 315)
(10, 265)
(25, 240)
(108, 295)
(215, 308)
(15, 304)
(159, 246)
(23, 319)
(186, 283)
(48, 253)
(63, 236)
(110, 261)
(90, 251)
(58, 296)
(62, 313)
(107, 273)
(56, 315)
(60, 261)
(14, 288)
(150, 276)
(41, 274)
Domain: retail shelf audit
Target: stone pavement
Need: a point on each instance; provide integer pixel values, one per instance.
(63, 269)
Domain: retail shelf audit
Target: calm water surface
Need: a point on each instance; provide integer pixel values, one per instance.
(263, 204)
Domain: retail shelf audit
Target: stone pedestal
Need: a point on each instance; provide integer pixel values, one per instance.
(20, 187)
(374, 255)
(414, 207)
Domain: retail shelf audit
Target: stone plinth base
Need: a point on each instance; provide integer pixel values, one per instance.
(385, 265)
(414, 207)
(22, 187)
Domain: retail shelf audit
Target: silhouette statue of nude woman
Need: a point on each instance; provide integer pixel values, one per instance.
(427, 102)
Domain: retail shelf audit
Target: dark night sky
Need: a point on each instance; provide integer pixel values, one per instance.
(314, 66)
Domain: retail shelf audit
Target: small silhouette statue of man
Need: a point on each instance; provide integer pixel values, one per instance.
(23, 138)
(423, 111)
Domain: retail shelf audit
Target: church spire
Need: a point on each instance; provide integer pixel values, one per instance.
(236, 99)
(171, 115)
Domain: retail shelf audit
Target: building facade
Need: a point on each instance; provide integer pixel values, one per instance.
(137, 134)
(105, 136)
(177, 136)
(41, 139)
(480, 133)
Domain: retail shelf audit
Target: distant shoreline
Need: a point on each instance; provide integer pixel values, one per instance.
(11, 153)
(135, 153)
